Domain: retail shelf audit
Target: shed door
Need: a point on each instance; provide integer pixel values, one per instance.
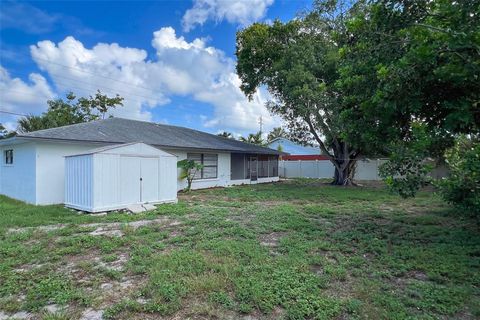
(129, 180)
(149, 179)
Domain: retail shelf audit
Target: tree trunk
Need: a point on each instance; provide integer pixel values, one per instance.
(345, 166)
(344, 176)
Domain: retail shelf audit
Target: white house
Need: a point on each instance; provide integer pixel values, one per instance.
(33, 164)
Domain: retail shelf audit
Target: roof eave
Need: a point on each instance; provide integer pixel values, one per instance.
(29, 138)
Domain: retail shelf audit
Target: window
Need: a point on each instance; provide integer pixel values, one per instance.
(209, 162)
(8, 156)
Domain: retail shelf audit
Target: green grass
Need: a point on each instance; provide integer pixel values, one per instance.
(293, 250)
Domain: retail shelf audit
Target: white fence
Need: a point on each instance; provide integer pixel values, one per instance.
(324, 169)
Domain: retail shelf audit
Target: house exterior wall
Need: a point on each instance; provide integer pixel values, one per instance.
(38, 173)
(223, 172)
(223, 175)
(50, 169)
(18, 179)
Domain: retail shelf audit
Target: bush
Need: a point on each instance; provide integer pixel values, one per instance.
(406, 171)
(462, 187)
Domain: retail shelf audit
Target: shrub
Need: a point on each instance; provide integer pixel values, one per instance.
(462, 187)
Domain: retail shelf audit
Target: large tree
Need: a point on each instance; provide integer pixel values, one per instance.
(298, 61)
(413, 69)
(70, 111)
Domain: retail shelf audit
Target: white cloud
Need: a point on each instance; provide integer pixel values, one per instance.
(23, 97)
(241, 12)
(180, 68)
(108, 67)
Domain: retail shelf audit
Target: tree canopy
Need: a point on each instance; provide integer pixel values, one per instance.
(298, 61)
(277, 132)
(365, 78)
(254, 138)
(70, 111)
(226, 134)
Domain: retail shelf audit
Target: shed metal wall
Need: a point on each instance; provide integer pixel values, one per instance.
(106, 170)
(79, 182)
(98, 181)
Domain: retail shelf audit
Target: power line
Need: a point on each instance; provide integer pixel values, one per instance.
(85, 90)
(92, 73)
(12, 113)
(93, 85)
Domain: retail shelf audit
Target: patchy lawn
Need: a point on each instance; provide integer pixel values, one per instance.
(293, 250)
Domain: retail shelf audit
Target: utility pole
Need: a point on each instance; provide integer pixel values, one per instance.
(260, 121)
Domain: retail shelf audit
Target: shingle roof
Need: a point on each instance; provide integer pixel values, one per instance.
(118, 130)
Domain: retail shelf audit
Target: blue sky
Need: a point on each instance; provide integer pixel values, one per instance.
(173, 61)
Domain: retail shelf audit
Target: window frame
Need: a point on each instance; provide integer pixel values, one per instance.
(8, 159)
(194, 155)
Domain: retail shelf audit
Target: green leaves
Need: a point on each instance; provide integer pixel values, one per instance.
(189, 170)
(462, 186)
(64, 112)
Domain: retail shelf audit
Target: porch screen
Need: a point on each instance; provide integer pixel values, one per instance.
(267, 166)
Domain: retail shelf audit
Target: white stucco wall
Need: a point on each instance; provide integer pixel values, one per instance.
(50, 169)
(18, 179)
(38, 173)
(223, 172)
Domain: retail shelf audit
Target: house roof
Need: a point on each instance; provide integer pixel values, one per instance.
(119, 130)
(293, 148)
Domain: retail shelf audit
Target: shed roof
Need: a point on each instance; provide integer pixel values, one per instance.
(119, 131)
(118, 148)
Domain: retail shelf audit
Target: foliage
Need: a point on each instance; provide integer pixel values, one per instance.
(189, 170)
(4, 133)
(409, 165)
(462, 186)
(405, 172)
(277, 132)
(254, 138)
(70, 111)
(298, 61)
(226, 134)
(410, 62)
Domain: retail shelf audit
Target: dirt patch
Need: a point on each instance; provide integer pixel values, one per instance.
(28, 267)
(91, 314)
(271, 240)
(409, 277)
(102, 229)
(18, 315)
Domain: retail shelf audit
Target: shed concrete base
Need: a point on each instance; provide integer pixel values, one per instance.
(137, 208)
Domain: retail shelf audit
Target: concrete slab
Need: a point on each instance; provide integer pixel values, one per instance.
(149, 207)
(136, 208)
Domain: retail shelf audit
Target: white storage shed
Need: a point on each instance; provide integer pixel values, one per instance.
(117, 176)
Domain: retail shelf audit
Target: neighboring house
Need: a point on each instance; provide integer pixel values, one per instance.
(33, 164)
(296, 151)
